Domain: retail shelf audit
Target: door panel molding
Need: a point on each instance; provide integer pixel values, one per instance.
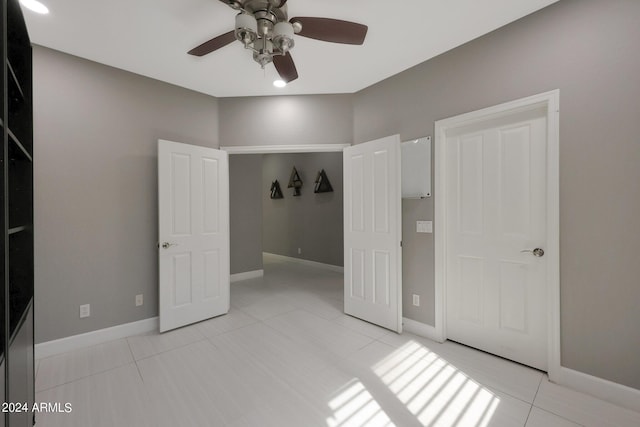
(549, 102)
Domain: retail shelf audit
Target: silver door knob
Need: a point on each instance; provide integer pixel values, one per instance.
(167, 245)
(537, 252)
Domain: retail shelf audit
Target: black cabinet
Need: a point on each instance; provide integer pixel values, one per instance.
(16, 220)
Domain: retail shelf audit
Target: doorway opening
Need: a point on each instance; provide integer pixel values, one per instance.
(290, 247)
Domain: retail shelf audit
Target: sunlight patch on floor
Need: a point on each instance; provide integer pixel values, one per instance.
(430, 388)
(433, 390)
(355, 407)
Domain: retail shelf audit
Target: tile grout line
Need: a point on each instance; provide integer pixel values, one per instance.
(204, 338)
(84, 377)
(538, 389)
(533, 400)
(528, 415)
(135, 361)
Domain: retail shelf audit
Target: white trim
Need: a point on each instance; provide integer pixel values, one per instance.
(420, 329)
(88, 339)
(550, 100)
(299, 148)
(609, 391)
(336, 268)
(245, 275)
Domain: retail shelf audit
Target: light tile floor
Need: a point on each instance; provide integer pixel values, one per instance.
(286, 355)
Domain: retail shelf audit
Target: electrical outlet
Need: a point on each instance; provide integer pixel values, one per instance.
(85, 310)
(416, 300)
(299, 251)
(139, 300)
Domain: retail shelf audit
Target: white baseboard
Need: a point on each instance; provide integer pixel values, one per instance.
(88, 339)
(609, 391)
(245, 275)
(420, 329)
(336, 268)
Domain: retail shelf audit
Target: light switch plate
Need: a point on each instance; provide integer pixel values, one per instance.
(424, 226)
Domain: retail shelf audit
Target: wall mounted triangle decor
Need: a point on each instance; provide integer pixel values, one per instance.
(322, 183)
(295, 182)
(276, 193)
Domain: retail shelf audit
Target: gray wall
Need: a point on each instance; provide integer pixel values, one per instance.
(95, 133)
(286, 120)
(587, 49)
(245, 208)
(312, 222)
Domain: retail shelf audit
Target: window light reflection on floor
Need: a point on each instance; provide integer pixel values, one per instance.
(354, 406)
(434, 391)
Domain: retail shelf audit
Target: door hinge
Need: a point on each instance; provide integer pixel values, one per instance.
(400, 243)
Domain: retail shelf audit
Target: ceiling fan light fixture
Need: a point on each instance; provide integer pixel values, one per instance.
(246, 28)
(283, 36)
(35, 6)
(279, 83)
(264, 28)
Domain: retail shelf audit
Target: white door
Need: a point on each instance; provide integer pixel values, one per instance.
(372, 232)
(496, 291)
(194, 233)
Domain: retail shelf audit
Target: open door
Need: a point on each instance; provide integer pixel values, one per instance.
(193, 200)
(372, 232)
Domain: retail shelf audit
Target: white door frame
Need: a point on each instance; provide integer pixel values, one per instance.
(273, 149)
(303, 148)
(551, 101)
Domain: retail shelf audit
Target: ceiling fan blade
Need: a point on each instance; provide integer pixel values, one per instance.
(331, 30)
(213, 44)
(286, 67)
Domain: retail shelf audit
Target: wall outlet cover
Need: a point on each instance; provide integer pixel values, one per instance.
(139, 300)
(85, 310)
(416, 300)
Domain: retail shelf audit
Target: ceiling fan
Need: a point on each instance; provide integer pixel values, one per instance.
(264, 27)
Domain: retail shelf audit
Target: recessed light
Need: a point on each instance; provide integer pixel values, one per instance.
(279, 83)
(35, 6)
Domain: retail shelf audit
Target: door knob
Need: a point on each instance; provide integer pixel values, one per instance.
(537, 252)
(167, 245)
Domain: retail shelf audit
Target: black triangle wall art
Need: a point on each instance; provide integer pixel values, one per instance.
(276, 193)
(295, 182)
(322, 183)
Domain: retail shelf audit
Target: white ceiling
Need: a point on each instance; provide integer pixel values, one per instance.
(152, 37)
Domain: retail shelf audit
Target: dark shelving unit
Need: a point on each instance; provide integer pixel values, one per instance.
(16, 295)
